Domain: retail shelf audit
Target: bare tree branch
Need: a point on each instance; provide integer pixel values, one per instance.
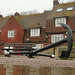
(29, 12)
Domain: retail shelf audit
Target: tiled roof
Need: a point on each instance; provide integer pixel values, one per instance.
(28, 20)
(64, 12)
(37, 25)
(20, 21)
(3, 21)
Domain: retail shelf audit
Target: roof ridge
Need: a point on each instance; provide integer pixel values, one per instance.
(67, 3)
(31, 15)
(19, 20)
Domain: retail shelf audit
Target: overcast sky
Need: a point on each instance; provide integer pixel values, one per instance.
(12, 6)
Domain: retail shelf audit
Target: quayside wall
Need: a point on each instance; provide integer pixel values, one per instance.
(11, 69)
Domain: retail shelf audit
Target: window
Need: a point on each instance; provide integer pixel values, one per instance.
(11, 50)
(57, 37)
(59, 20)
(69, 8)
(39, 45)
(59, 10)
(8, 48)
(35, 32)
(11, 34)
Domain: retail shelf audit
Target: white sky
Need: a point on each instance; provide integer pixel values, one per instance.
(12, 6)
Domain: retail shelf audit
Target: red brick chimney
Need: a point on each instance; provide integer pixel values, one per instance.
(55, 2)
(16, 14)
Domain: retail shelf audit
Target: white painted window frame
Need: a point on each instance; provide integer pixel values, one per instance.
(56, 37)
(35, 32)
(11, 34)
(59, 20)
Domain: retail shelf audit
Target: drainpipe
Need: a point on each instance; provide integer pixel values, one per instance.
(24, 35)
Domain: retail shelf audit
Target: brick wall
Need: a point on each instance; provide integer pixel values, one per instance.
(12, 24)
(9, 69)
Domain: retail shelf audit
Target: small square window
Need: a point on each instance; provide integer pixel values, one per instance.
(11, 34)
(35, 32)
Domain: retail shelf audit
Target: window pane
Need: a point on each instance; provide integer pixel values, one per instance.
(52, 38)
(11, 34)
